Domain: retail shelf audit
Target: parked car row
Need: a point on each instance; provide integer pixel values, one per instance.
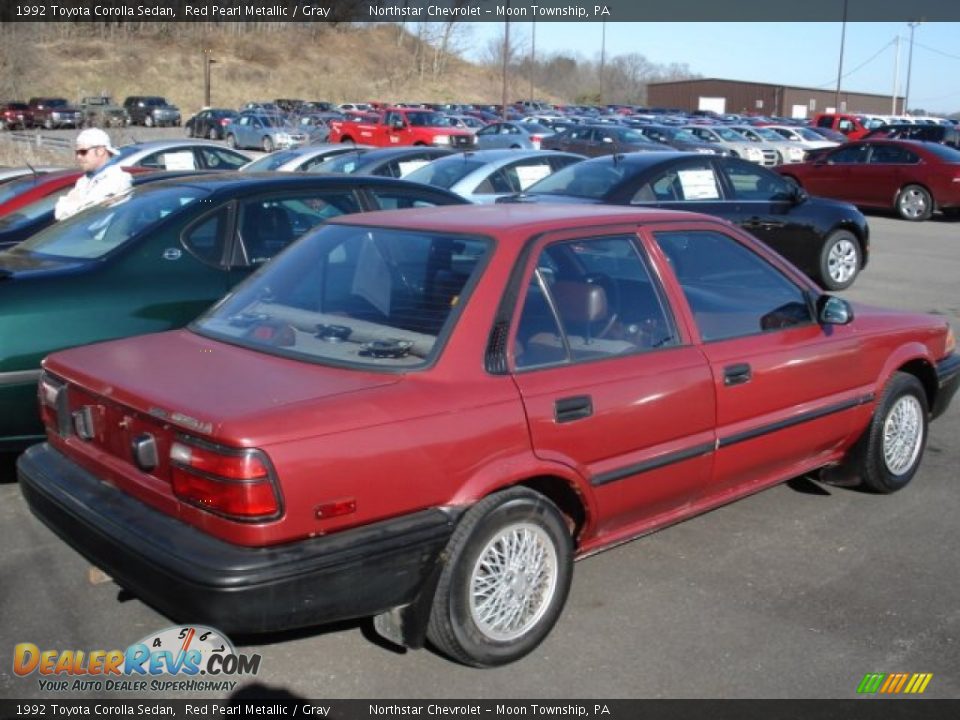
(95, 111)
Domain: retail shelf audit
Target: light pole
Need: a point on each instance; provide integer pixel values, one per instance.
(603, 57)
(906, 95)
(506, 58)
(207, 62)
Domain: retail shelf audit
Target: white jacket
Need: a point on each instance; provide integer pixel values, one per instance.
(90, 190)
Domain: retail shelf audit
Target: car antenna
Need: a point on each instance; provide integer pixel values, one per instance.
(32, 169)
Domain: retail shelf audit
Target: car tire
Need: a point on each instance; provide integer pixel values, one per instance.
(840, 260)
(213, 135)
(477, 588)
(232, 141)
(914, 203)
(267, 144)
(48, 124)
(889, 453)
(148, 121)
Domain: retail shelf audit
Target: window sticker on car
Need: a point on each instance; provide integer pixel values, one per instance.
(698, 184)
(409, 166)
(530, 174)
(179, 161)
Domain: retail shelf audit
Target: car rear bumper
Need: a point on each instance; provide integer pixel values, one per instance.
(193, 577)
(948, 381)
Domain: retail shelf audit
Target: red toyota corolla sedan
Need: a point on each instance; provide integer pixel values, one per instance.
(912, 177)
(426, 415)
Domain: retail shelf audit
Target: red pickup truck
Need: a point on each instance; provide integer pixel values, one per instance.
(852, 126)
(402, 126)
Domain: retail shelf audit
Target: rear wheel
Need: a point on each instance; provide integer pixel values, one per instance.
(840, 260)
(914, 203)
(267, 144)
(889, 453)
(213, 134)
(232, 141)
(506, 579)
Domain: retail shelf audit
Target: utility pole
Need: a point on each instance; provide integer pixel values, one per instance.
(603, 57)
(843, 37)
(906, 95)
(896, 77)
(506, 58)
(207, 62)
(533, 59)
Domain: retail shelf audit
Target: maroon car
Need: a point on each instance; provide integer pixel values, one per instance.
(914, 178)
(426, 415)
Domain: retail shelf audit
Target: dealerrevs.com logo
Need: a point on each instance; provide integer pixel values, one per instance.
(894, 683)
(180, 658)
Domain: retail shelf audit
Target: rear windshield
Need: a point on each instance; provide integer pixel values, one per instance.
(94, 233)
(356, 296)
(445, 174)
(944, 152)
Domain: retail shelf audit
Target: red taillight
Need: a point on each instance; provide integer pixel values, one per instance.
(225, 121)
(236, 483)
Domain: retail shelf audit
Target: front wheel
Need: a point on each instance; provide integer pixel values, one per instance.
(914, 203)
(148, 121)
(506, 579)
(232, 141)
(840, 260)
(889, 453)
(213, 134)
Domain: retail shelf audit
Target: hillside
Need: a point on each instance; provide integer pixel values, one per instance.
(344, 63)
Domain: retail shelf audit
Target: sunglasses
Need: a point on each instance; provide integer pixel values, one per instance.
(83, 151)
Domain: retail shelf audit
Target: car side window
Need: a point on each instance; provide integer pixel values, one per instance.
(489, 130)
(206, 238)
(751, 182)
(731, 291)
(890, 154)
(268, 225)
(692, 182)
(590, 299)
(849, 155)
(403, 199)
(217, 159)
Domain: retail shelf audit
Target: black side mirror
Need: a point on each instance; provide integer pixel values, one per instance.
(799, 195)
(833, 310)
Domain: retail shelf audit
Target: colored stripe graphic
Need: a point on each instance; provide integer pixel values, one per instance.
(894, 683)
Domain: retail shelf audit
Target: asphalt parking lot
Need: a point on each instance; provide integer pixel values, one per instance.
(796, 592)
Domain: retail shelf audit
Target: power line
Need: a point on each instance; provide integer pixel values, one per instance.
(938, 52)
(858, 67)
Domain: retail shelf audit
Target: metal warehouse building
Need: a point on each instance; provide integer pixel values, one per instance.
(735, 96)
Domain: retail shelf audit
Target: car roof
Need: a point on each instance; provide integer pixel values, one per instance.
(155, 144)
(513, 217)
(496, 155)
(232, 181)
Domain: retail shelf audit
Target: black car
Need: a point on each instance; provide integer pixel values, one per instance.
(943, 134)
(386, 162)
(596, 140)
(211, 123)
(826, 239)
(680, 139)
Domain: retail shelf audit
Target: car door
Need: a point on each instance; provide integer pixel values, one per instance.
(834, 174)
(610, 383)
(884, 173)
(216, 158)
(689, 183)
(488, 137)
(786, 387)
(766, 205)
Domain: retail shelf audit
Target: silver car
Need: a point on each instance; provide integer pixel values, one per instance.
(787, 152)
(482, 176)
(264, 132)
(181, 155)
(741, 147)
(303, 158)
(517, 135)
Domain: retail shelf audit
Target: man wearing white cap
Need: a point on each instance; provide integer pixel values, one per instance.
(99, 180)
